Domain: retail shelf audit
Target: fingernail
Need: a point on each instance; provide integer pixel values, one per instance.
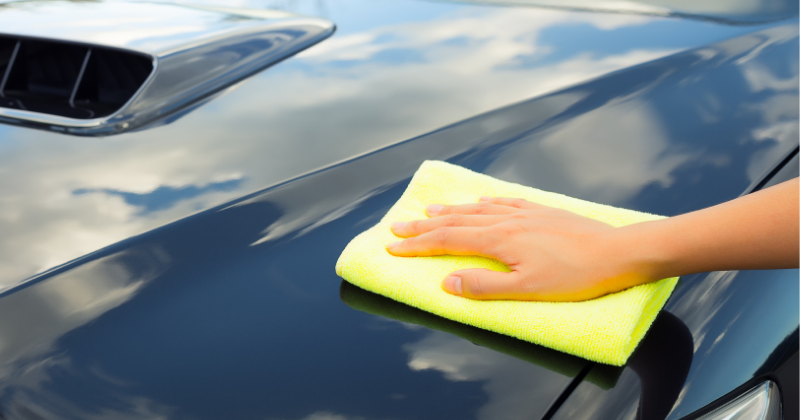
(435, 208)
(393, 244)
(398, 225)
(485, 198)
(452, 284)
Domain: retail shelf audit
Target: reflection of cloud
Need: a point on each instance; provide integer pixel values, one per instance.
(515, 388)
(324, 416)
(785, 133)
(338, 99)
(594, 157)
(33, 318)
(163, 197)
(327, 415)
(25, 405)
(308, 216)
(706, 305)
(453, 357)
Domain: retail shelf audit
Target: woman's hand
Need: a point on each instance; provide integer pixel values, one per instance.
(557, 255)
(553, 254)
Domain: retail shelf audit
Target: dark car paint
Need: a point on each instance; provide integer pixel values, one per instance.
(392, 71)
(235, 312)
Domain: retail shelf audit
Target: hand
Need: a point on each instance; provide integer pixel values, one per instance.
(553, 254)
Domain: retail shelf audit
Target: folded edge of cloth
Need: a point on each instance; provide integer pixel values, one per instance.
(606, 329)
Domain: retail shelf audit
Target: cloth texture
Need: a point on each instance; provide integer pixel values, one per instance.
(606, 329)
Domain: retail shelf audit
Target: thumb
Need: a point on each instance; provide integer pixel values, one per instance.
(480, 283)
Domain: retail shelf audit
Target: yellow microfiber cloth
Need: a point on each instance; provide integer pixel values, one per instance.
(605, 329)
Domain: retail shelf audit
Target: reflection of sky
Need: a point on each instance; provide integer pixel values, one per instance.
(122, 24)
(514, 388)
(392, 71)
(33, 319)
(163, 198)
(747, 301)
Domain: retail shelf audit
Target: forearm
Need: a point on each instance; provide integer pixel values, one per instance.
(756, 231)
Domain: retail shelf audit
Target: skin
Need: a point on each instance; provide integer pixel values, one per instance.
(556, 255)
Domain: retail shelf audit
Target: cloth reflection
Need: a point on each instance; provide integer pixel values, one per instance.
(661, 361)
(553, 360)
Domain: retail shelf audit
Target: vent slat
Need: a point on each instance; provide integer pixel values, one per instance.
(65, 79)
(6, 51)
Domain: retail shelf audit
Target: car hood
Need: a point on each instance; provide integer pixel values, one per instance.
(236, 312)
(391, 72)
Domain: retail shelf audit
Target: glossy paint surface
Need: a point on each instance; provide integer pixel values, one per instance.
(236, 312)
(739, 11)
(391, 72)
(755, 333)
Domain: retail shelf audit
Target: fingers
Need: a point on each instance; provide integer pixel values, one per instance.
(477, 209)
(453, 241)
(487, 206)
(480, 283)
(418, 227)
(511, 202)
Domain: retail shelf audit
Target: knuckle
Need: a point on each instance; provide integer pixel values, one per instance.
(441, 236)
(493, 244)
(407, 243)
(517, 202)
(455, 220)
(413, 226)
(482, 208)
(475, 286)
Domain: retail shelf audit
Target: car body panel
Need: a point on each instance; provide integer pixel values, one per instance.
(391, 72)
(234, 310)
(740, 12)
(759, 334)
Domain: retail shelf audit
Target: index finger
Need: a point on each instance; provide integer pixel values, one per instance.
(518, 203)
(475, 209)
(445, 241)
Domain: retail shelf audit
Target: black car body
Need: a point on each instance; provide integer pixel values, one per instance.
(185, 269)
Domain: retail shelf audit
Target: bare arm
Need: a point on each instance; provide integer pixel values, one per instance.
(558, 255)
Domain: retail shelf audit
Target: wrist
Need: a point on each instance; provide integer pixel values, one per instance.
(644, 252)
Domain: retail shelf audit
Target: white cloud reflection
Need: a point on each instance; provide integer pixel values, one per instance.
(612, 165)
(514, 388)
(35, 318)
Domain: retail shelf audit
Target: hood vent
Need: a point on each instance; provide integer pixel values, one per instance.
(68, 80)
(106, 67)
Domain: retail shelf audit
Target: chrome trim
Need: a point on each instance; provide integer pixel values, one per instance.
(196, 51)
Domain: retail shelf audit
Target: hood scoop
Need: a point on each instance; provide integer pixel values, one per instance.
(67, 80)
(102, 68)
